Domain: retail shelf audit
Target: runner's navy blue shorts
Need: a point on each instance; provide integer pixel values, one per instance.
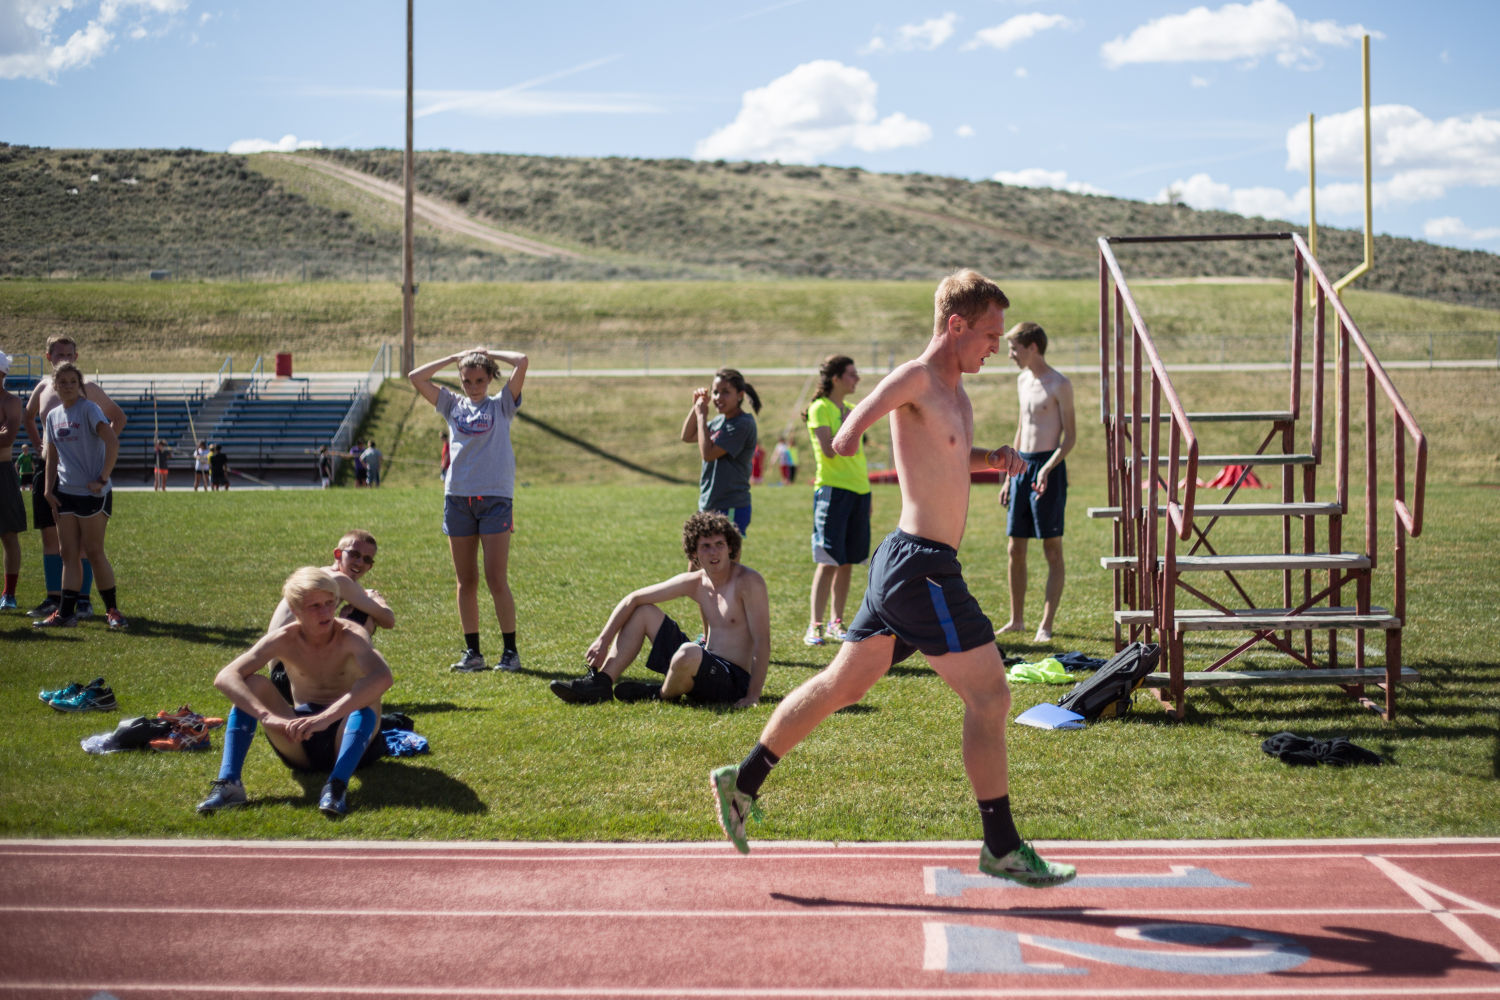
(916, 592)
(841, 526)
(1033, 516)
(322, 747)
(717, 680)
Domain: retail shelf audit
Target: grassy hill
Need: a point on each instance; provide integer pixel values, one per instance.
(122, 213)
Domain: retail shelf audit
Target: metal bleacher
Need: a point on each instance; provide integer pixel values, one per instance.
(268, 425)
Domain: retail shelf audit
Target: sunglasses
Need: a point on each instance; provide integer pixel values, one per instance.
(360, 557)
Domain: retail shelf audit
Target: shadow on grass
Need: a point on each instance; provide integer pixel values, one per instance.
(192, 632)
(596, 451)
(389, 784)
(416, 708)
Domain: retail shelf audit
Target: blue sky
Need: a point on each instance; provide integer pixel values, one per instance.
(1136, 99)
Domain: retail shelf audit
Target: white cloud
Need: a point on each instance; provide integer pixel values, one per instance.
(964, 131)
(1198, 81)
(1019, 28)
(31, 42)
(922, 37)
(1021, 73)
(1451, 229)
(286, 144)
(1234, 32)
(1415, 159)
(816, 109)
(1203, 192)
(1041, 177)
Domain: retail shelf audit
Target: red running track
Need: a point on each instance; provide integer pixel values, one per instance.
(1217, 919)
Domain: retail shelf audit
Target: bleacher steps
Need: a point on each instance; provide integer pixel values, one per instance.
(1237, 510)
(1236, 563)
(1260, 619)
(1316, 675)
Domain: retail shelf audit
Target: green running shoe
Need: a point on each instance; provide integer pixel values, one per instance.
(733, 805)
(1024, 867)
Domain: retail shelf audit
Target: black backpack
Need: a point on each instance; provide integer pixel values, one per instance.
(1107, 694)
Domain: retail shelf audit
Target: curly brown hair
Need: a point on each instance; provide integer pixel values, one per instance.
(705, 524)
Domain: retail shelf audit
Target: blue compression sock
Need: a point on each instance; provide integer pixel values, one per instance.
(52, 571)
(88, 581)
(239, 733)
(357, 732)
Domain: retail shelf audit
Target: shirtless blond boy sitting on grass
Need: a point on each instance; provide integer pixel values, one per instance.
(336, 679)
(736, 612)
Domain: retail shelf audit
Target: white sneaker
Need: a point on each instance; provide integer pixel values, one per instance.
(814, 636)
(470, 663)
(835, 631)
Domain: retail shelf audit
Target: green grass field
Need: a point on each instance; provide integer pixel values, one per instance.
(199, 575)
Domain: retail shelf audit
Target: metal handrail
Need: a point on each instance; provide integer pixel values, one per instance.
(1182, 437)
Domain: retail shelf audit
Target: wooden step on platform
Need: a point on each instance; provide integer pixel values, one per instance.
(1274, 459)
(1223, 417)
(1277, 619)
(1238, 510)
(1314, 675)
(1272, 561)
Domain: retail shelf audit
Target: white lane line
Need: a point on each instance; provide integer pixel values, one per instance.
(175, 987)
(1417, 889)
(893, 911)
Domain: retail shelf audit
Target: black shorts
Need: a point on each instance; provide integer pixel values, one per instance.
(88, 505)
(322, 747)
(1033, 516)
(41, 510)
(12, 507)
(916, 592)
(718, 681)
(841, 526)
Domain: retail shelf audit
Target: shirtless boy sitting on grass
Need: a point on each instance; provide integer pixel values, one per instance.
(336, 678)
(736, 611)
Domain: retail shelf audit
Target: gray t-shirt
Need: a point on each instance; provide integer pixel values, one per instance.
(482, 462)
(80, 450)
(725, 482)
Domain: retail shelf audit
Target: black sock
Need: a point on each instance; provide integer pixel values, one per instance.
(108, 597)
(755, 769)
(1000, 834)
(69, 603)
(510, 641)
(471, 641)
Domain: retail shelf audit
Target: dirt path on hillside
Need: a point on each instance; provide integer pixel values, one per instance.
(430, 210)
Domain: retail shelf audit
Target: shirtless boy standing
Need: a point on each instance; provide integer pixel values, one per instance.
(336, 678)
(916, 598)
(1044, 436)
(736, 613)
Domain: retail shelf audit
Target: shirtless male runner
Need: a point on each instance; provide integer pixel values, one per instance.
(1045, 434)
(916, 598)
(730, 666)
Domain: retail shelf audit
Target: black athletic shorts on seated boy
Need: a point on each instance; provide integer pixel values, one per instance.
(717, 679)
(1034, 515)
(917, 593)
(322, 747)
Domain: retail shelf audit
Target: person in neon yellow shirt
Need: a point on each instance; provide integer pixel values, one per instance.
(841, 501)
